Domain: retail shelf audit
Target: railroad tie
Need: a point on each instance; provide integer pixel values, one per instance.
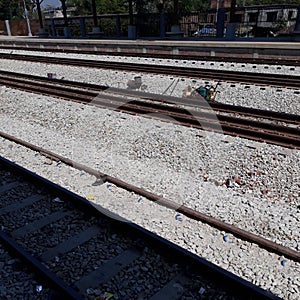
(40, 223)
(23, 203)
(6, 187)
(108, 270)
(70, 243)
(169, 291)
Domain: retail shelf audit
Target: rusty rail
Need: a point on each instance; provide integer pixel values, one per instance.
(285, 136)
(193, 214)
(282, 80)
(192, 53)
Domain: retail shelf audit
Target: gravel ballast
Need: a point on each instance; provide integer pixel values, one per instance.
(263, 97)
(16, 279)
(185, 165)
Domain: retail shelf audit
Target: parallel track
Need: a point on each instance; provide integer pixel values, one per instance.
(188, 212)
(198, 56)
(287, 81)
(47, 226)
(287, 136)
(196, 103)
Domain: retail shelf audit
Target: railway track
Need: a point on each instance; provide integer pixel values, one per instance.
(182, 209)
(198, 56)
(181, 111)
(79, 253)
(287, 81)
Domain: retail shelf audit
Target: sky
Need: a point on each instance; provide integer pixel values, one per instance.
(55, 3)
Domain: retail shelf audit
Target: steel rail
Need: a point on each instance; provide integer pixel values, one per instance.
(198, 56)
(216, 106)
(190, 213)
(235, 285)
(266, 132)
(271, 133)
(39, 269)
(281, 80)
(232, 126)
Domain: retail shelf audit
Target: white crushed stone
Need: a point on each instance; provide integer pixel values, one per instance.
(179, 163)
(243, 67)
(263, 97)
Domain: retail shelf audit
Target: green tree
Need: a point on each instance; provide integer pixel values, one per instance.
(112, 6)
(187, 6)
(83, 7)
(14, 8)
(11, 9)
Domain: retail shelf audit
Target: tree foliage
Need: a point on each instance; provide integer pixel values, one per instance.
(187, 6)
(112, 6)
(83, 7)
(14, 9)
(10, 9)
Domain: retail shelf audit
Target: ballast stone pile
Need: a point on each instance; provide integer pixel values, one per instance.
(251, 185)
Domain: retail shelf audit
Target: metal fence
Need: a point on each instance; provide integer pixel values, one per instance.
(250, 22)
